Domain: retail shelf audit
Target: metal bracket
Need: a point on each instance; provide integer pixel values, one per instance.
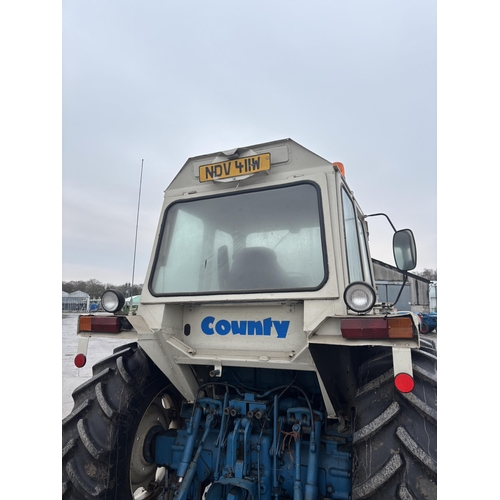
(217, 371)
(401, 360)
(83, 344)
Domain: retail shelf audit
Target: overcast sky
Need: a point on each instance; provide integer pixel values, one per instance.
(353, 81)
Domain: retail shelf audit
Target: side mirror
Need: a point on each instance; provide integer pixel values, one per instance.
(405, 250)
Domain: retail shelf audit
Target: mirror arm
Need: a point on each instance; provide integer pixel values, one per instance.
(386, 216)
(401, 289)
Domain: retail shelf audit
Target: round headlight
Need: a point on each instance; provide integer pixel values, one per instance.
(112, 300)
(359, 296)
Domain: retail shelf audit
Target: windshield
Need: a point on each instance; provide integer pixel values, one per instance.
(265, 240)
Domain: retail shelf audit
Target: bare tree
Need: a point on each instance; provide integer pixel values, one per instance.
(95, 288)
(429, 274)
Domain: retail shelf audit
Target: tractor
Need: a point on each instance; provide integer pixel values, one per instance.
(262, 365)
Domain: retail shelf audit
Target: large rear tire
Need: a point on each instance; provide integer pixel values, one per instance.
(395, 439)
(105, 438)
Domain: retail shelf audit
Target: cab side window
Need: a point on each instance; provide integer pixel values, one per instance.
(357, 254)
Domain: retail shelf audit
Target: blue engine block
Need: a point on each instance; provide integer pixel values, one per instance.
(261, 449)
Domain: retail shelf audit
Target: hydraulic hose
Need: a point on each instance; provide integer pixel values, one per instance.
(311, 491)
(275, 450)
(186, 483)
(297, 486)
(194, 424)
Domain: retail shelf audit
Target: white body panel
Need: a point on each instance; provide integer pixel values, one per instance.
(256, 329)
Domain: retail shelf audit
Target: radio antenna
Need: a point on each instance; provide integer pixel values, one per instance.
(135, 244)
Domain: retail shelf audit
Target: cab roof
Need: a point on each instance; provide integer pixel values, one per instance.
(287, 157)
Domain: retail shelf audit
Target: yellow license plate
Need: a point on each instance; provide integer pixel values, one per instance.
(235, 168)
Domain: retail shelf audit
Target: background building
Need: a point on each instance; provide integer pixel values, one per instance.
(414, 297)
(75, 302)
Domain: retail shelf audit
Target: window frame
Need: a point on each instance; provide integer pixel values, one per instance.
(266, 291)
(362, 246)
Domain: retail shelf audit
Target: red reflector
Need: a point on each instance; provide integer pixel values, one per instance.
(100, 324)
(404, 382)
(80, 360)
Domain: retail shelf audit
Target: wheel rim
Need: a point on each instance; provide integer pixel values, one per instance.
(142, 471)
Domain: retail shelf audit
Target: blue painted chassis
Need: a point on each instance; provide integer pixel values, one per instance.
(248, 448)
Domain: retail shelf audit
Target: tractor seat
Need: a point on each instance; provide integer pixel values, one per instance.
(256, 268)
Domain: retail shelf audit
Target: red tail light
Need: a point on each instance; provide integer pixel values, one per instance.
(103, 324)
(397, 327)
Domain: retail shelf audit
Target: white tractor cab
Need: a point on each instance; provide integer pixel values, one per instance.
(263, 359)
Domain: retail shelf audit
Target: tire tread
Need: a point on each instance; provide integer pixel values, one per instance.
(394, 440)
(99, 432)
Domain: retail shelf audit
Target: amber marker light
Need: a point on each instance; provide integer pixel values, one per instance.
(340, 166)
(400, 327)
(85, 323)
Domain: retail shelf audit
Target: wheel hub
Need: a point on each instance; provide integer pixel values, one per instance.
(143, 469)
